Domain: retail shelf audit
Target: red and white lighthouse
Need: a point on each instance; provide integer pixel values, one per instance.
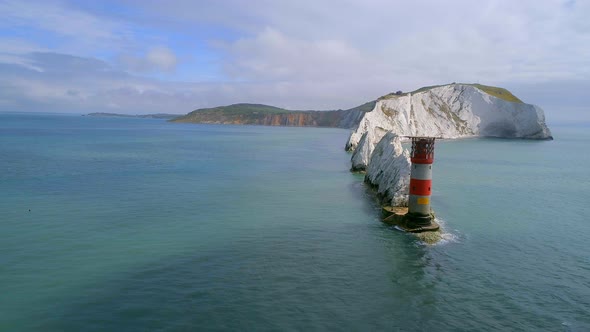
(422, 157)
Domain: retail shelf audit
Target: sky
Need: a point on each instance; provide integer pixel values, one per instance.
(174, 56)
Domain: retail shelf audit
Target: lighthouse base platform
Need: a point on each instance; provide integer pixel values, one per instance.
(398, 216)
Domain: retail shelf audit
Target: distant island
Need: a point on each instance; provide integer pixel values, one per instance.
(144, 116)
(258, 114)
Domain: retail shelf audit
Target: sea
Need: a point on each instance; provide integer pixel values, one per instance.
(126, 224)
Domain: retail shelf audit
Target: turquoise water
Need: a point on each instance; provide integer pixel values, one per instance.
(115, 224)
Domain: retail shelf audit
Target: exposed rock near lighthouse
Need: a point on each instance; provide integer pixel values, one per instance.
(447, 111)
(389, 170)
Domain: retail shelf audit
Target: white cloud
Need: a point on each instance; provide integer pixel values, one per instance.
(162, 57)
(12, 50)
(273, 55)
(418, 41)
(158, 58)
(298, 54)
(74, 29)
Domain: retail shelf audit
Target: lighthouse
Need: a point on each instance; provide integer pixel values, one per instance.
(422, 156)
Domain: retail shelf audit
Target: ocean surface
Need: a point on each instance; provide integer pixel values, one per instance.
(122, 224)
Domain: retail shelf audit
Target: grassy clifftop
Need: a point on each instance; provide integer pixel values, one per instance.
(241, 109)
(497, 92)
(232, 114)
(491, 90)
(259, 114)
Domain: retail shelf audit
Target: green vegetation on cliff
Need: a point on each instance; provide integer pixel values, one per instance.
(232, 114)
(491, 90)
(241, 109)
(258, 114)
(498, 92)
(366, 107)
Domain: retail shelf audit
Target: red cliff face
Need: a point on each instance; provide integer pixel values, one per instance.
(300, 119)
(342, 119)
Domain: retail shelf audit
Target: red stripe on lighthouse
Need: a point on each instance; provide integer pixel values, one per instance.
(420, 187)
(428, 160)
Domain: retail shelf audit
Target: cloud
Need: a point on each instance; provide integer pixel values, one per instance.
(158, 58)
(301, 54)
(66, 83)
(419, 41)
(63, 26)
(162, 58)
(273, 55)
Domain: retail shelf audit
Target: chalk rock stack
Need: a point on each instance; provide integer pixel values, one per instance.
(389, 170)
(448, 111)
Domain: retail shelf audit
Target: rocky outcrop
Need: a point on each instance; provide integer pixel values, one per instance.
(337, 119)
(362, 153)
(449, 111)
(389, 170)
(453, 111)
(351, 118)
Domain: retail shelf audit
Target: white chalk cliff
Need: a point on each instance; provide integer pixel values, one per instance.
(448, 111)
(389, 170)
